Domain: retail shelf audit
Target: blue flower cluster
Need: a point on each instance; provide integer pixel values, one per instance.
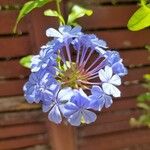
(60, 79)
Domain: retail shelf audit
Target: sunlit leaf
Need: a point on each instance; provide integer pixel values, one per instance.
(28, 7)
(147, 77)
(140, 19)
(143, 106)
(54, 13)
(144, 97)
(26, 61)
(78, 12)
(147, 47)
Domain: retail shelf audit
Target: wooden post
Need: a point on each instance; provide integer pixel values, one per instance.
(62, 137)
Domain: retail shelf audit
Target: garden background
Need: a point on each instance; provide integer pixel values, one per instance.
(25, 127)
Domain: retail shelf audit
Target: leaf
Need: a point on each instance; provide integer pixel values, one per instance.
(26, 61)
(147, 77)
(54, 13)
(28, 7)
(144, 97)
(147, 47)
(78, 12)
(143, 106)
(140, 19)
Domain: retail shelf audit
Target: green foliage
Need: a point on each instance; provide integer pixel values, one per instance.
(77, 12)
(144, 104)
(144, 97)
(28, 7)
(141, 18)
(147, 47)
(26, 61)
(54, 13)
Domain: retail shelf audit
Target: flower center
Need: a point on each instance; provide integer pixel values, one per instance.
(74, 76)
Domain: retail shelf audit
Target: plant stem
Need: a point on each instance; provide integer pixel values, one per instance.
(58, 9)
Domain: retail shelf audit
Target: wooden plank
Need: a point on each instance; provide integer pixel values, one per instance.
(99, 2)
(11, 69)
(138, 146)
(102, 17)
(40, 25)
(9, 18)
(14, 88)
(122, 104)
(124, 39)
(105, 128)
(130, 138)
(14, 118)
(22, 130)
(11, 87)
(22, 142)
(115, 116)
(16, 103)
(18, 46)
(118, 39)
(10, 2)
(62, 137)
(142, 57)
(136, 74)
(118, 121)
(37, 147)
(132, 90)
(135, 57)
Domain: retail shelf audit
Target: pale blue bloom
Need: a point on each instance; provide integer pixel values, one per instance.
(99, 99)
(64, 33)
(76, 111)
(113, 60)
(59, 79)
(38, 86)
(46, 57)
(109, 80)
(97, 42)
(55, 107)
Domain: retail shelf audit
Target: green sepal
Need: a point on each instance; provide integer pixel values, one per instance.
(26, 61)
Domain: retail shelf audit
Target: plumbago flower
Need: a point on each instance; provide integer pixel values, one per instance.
(66, 69)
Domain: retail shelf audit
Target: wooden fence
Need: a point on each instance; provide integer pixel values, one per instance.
(24, 127)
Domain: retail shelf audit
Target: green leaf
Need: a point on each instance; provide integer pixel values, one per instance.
(54, 13)
(147, 47)
(28, 7)
(26, 61)
(147, 77)
(78, 12)
(140, 19)
(144, 97)
(143, 106)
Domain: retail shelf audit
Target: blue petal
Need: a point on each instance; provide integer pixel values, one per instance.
(75, 119)
(65, 94)
(46, 108)
(108, 101)
(96, 103)
(65, 29)
(69, 109)
(55, 115)
(119, 69)
(80, 99)
(89, 116)
(51, 32)
(96, 91)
